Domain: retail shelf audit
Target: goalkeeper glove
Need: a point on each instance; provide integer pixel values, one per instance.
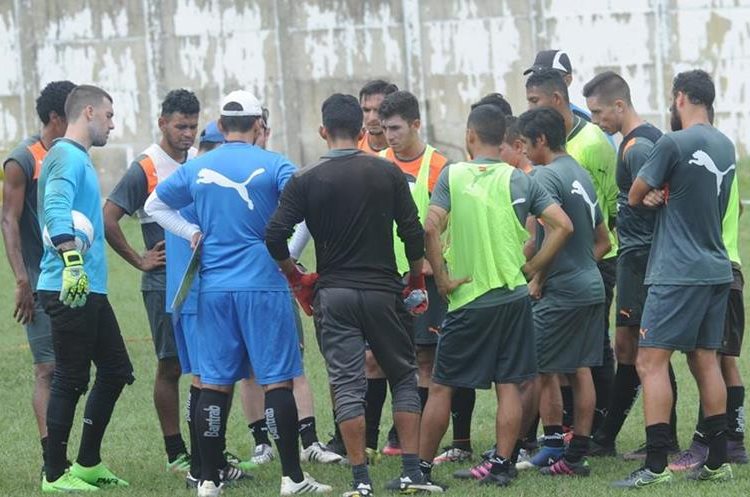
(415, 295)
(75, 281)
(303, 287)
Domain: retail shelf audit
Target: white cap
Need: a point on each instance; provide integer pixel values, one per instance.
(250, 106)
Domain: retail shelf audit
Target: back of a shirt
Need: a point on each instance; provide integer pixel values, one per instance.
(696, 166)
(29, 154)
(235, 189)
(573, 278)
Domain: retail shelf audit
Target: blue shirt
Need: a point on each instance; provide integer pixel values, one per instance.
(235, 189)
(68, 182)
(178, 253)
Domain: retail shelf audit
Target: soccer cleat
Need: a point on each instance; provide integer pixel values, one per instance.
(453, 454)
(406, 485)
(692, 458)
(67, 483)
(307, 486)
(262, 454)
(478, 472)
(180, 465)
(639, 454)
(736, 452)
(317, 452)
(644, 477)
(498, 480)
(361, 490)
(703, 473)
(234, 460)
(191, 481)
(546, 456)
(231, 474)
(392, 449)
(207, 488)
(98, 475)
(566, 468)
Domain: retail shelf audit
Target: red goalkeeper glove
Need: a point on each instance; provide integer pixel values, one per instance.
(415, 295)
(303, 287)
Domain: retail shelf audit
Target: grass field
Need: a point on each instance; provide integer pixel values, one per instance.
(133, 446)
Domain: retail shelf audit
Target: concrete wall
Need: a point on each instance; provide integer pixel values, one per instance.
(293, 54)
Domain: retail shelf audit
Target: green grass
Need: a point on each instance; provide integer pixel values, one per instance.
(134, 450)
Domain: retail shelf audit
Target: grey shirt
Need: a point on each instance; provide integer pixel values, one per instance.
(573, 279)
(528, 199)
(31, 235)
(130, 194)
(697, 167)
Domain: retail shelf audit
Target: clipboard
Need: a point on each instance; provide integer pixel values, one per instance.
(188, 276)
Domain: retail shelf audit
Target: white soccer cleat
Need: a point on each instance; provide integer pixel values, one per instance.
(316, 452)
(307, 486)
(262, 454)
(207, 488)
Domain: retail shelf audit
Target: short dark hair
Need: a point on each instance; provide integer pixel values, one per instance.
(608, 86)
(52, 99)
(512, 131)
(208, 146)
(377, 87)
(400, 103)
(182, 101)
(342, 116)
(496, 99)
(697, 85)
(82, 96)
(488, 122)
(550, 81)
(240, 124)
(543, 121)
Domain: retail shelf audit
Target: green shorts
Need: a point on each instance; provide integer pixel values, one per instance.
(631, 292)
(684, 318)
(568, 339)
(481, 346)
(160, 323)
(39, 335)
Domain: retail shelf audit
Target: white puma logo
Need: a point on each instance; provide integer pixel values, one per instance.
(701, 158)
(579, 190)
(209, 176)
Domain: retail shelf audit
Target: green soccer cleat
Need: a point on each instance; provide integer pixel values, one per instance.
(180, 465)
(704, 473)
(644, 477)
(234, 460)
(67, 483)
(99, 476)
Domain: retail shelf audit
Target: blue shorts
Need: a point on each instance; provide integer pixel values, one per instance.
(247, 333)
(186, 338)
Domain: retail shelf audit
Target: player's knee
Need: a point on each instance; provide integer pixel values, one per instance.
(169, 370)
(43, 373)
(404, 394)
(349, 399)
(69, 383)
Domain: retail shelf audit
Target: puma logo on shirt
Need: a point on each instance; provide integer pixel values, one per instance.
(209, 176)
(579, 190)
(701, 158)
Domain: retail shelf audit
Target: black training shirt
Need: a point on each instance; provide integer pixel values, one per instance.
(350, 200)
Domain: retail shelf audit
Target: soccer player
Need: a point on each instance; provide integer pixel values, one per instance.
(488, 335)
(422, 164)
(244, 308)
(559, 61)
(496, 99)
(178, 124)
(72, 287)
(23, 239)
(512, 149)
(608, 98)
(569, 308)
(370, 97)
(587, 144)
(689, 273)
(350, 201)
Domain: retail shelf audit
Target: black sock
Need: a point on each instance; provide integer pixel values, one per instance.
(423, 394)
(191, 417)
(60, 412)
(500, 465)
(673, 413)
(393, 436)
(308, 435)
(360, 474)
(658, 442)
(553, 436)
(736, 414)
(699, 435)
(567, 398)
(578, 448)
(175, 445)
(716, 433)
(426, 468)
(410, 463)
(281, 419)
(211, 415)
(259, 431)
(626, 385)
(530, 436)
(336, 429)
(374, 400)
(43, 441)
(604, 378)
(516, 452)
(99, 406)
(462, 408)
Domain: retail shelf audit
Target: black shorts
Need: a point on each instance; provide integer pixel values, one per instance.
(428, 325)
(734, 325)
(160, 323)
(568, 338)
(631, 292)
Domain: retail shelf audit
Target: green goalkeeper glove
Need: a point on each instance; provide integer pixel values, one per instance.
(75, 281)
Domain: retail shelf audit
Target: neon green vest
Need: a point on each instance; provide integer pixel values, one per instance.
(486, 237)
(420, 192)
(730, 223)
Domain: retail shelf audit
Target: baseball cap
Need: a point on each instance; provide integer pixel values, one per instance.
(211, 134)
(250, 106)
(551, 59)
